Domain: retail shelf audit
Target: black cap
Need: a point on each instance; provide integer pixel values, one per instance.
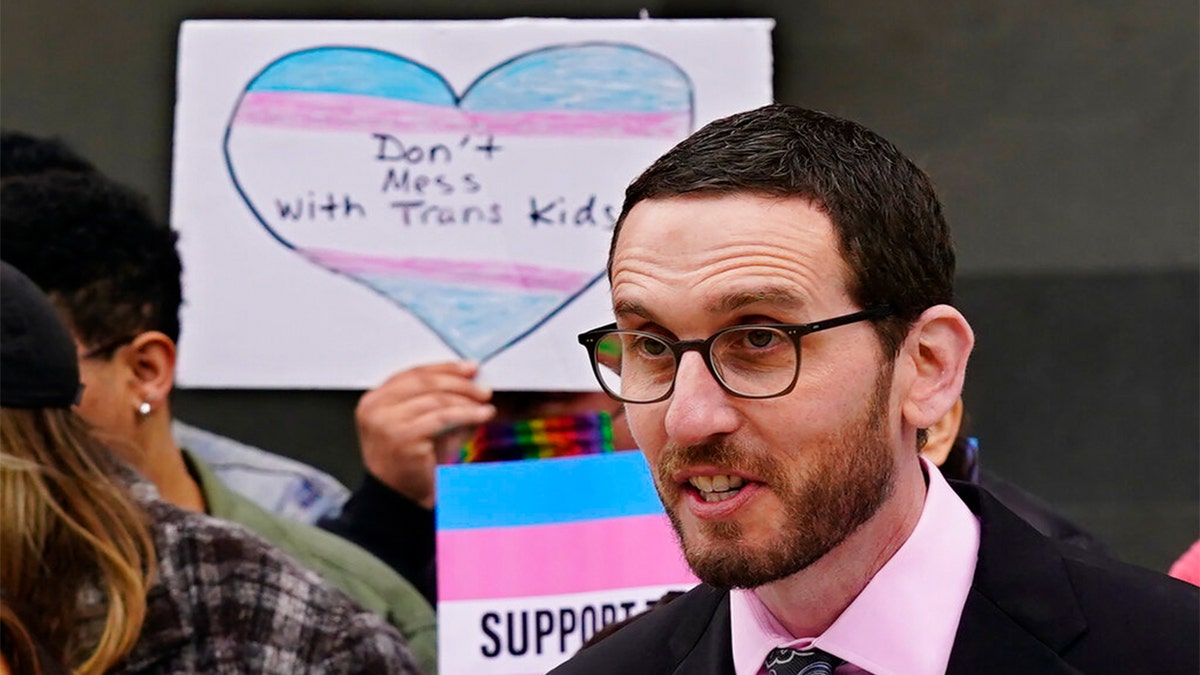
(39, 367)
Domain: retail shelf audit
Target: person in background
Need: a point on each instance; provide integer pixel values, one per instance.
(957, 456)
(278, 484)
(114, 273)
(782, 284)
(436, 414)
(98, 575)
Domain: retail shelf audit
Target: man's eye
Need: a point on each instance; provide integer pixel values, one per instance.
(760, 338)
(650, 347)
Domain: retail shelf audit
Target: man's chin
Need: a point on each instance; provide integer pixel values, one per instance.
(735, 569)
(722, 556)
(724, 561)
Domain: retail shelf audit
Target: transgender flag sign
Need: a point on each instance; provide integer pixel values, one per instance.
(535, 556)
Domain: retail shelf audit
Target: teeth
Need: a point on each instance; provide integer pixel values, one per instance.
(717, 488)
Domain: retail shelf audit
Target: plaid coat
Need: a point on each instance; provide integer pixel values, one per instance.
(225, 601)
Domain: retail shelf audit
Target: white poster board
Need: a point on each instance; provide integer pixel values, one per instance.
(358, 197)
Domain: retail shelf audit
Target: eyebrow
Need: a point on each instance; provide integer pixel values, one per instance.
(631, 308)
(777, 297)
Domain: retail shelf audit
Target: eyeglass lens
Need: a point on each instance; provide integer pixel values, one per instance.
(751, 361)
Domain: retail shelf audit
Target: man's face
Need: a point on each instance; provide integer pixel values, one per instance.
(756, 489)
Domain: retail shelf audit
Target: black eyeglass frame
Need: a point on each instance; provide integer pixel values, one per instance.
(106, 349)
(795, 331)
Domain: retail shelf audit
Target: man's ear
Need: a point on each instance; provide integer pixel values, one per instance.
(937, 347)
(940, 437)
(151, 362)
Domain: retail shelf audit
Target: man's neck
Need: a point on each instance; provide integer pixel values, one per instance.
(809, 601)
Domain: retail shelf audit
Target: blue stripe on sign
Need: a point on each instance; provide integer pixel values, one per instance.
(354, 70)
(544, 491)
(595, 77)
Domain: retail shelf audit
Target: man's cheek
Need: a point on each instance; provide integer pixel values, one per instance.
(644, 426)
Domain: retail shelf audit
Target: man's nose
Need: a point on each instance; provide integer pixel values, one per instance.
(698, 408)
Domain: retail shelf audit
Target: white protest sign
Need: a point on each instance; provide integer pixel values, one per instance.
(359, 197)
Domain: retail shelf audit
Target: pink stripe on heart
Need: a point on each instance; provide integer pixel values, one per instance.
(474, 273)
(585, 123)
(578, 557)
(347, 112)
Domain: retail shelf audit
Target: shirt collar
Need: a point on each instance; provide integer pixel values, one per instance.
(905, 619)
(219, 500)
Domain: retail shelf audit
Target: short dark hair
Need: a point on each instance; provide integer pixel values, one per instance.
(93, 246)
(888, 220)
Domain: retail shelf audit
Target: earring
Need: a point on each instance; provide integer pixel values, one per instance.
(144, 408)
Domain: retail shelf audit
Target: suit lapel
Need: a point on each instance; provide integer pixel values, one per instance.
(990, 642)
(711, 652)
(1021, 611)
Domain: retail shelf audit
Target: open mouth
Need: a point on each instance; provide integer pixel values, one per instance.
(716, 488)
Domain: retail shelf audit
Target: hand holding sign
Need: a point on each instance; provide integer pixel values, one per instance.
(417, 419)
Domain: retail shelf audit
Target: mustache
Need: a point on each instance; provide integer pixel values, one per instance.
(721, 452)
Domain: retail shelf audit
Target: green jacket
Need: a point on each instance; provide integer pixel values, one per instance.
(344, 565)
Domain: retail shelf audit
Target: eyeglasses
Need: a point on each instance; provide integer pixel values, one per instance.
(106, 349)
(751, 361)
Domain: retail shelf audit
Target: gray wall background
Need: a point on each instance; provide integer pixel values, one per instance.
(1063, 135)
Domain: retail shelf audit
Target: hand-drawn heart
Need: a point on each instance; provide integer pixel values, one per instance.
(482, 214)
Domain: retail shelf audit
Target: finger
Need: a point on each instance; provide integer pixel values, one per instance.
(418, 420)
(411, 426)
(417, 406)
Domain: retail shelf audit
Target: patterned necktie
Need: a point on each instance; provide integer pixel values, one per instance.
(788, 661)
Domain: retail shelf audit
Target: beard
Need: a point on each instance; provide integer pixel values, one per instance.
(839, 483)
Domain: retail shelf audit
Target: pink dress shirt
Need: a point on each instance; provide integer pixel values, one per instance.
(904, 621)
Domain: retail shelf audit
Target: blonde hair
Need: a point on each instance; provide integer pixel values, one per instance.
(67, 526)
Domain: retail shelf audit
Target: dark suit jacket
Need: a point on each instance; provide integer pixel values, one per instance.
(1034, 607)
(1040, 515)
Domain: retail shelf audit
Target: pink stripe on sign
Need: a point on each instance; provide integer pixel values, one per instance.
(592, 555)
(586, 123)
(352, 112)
(347, 112)
(465, 272)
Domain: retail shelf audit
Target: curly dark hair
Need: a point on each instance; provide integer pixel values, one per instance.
(22, 154)
(95, 248)
(888, 220)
